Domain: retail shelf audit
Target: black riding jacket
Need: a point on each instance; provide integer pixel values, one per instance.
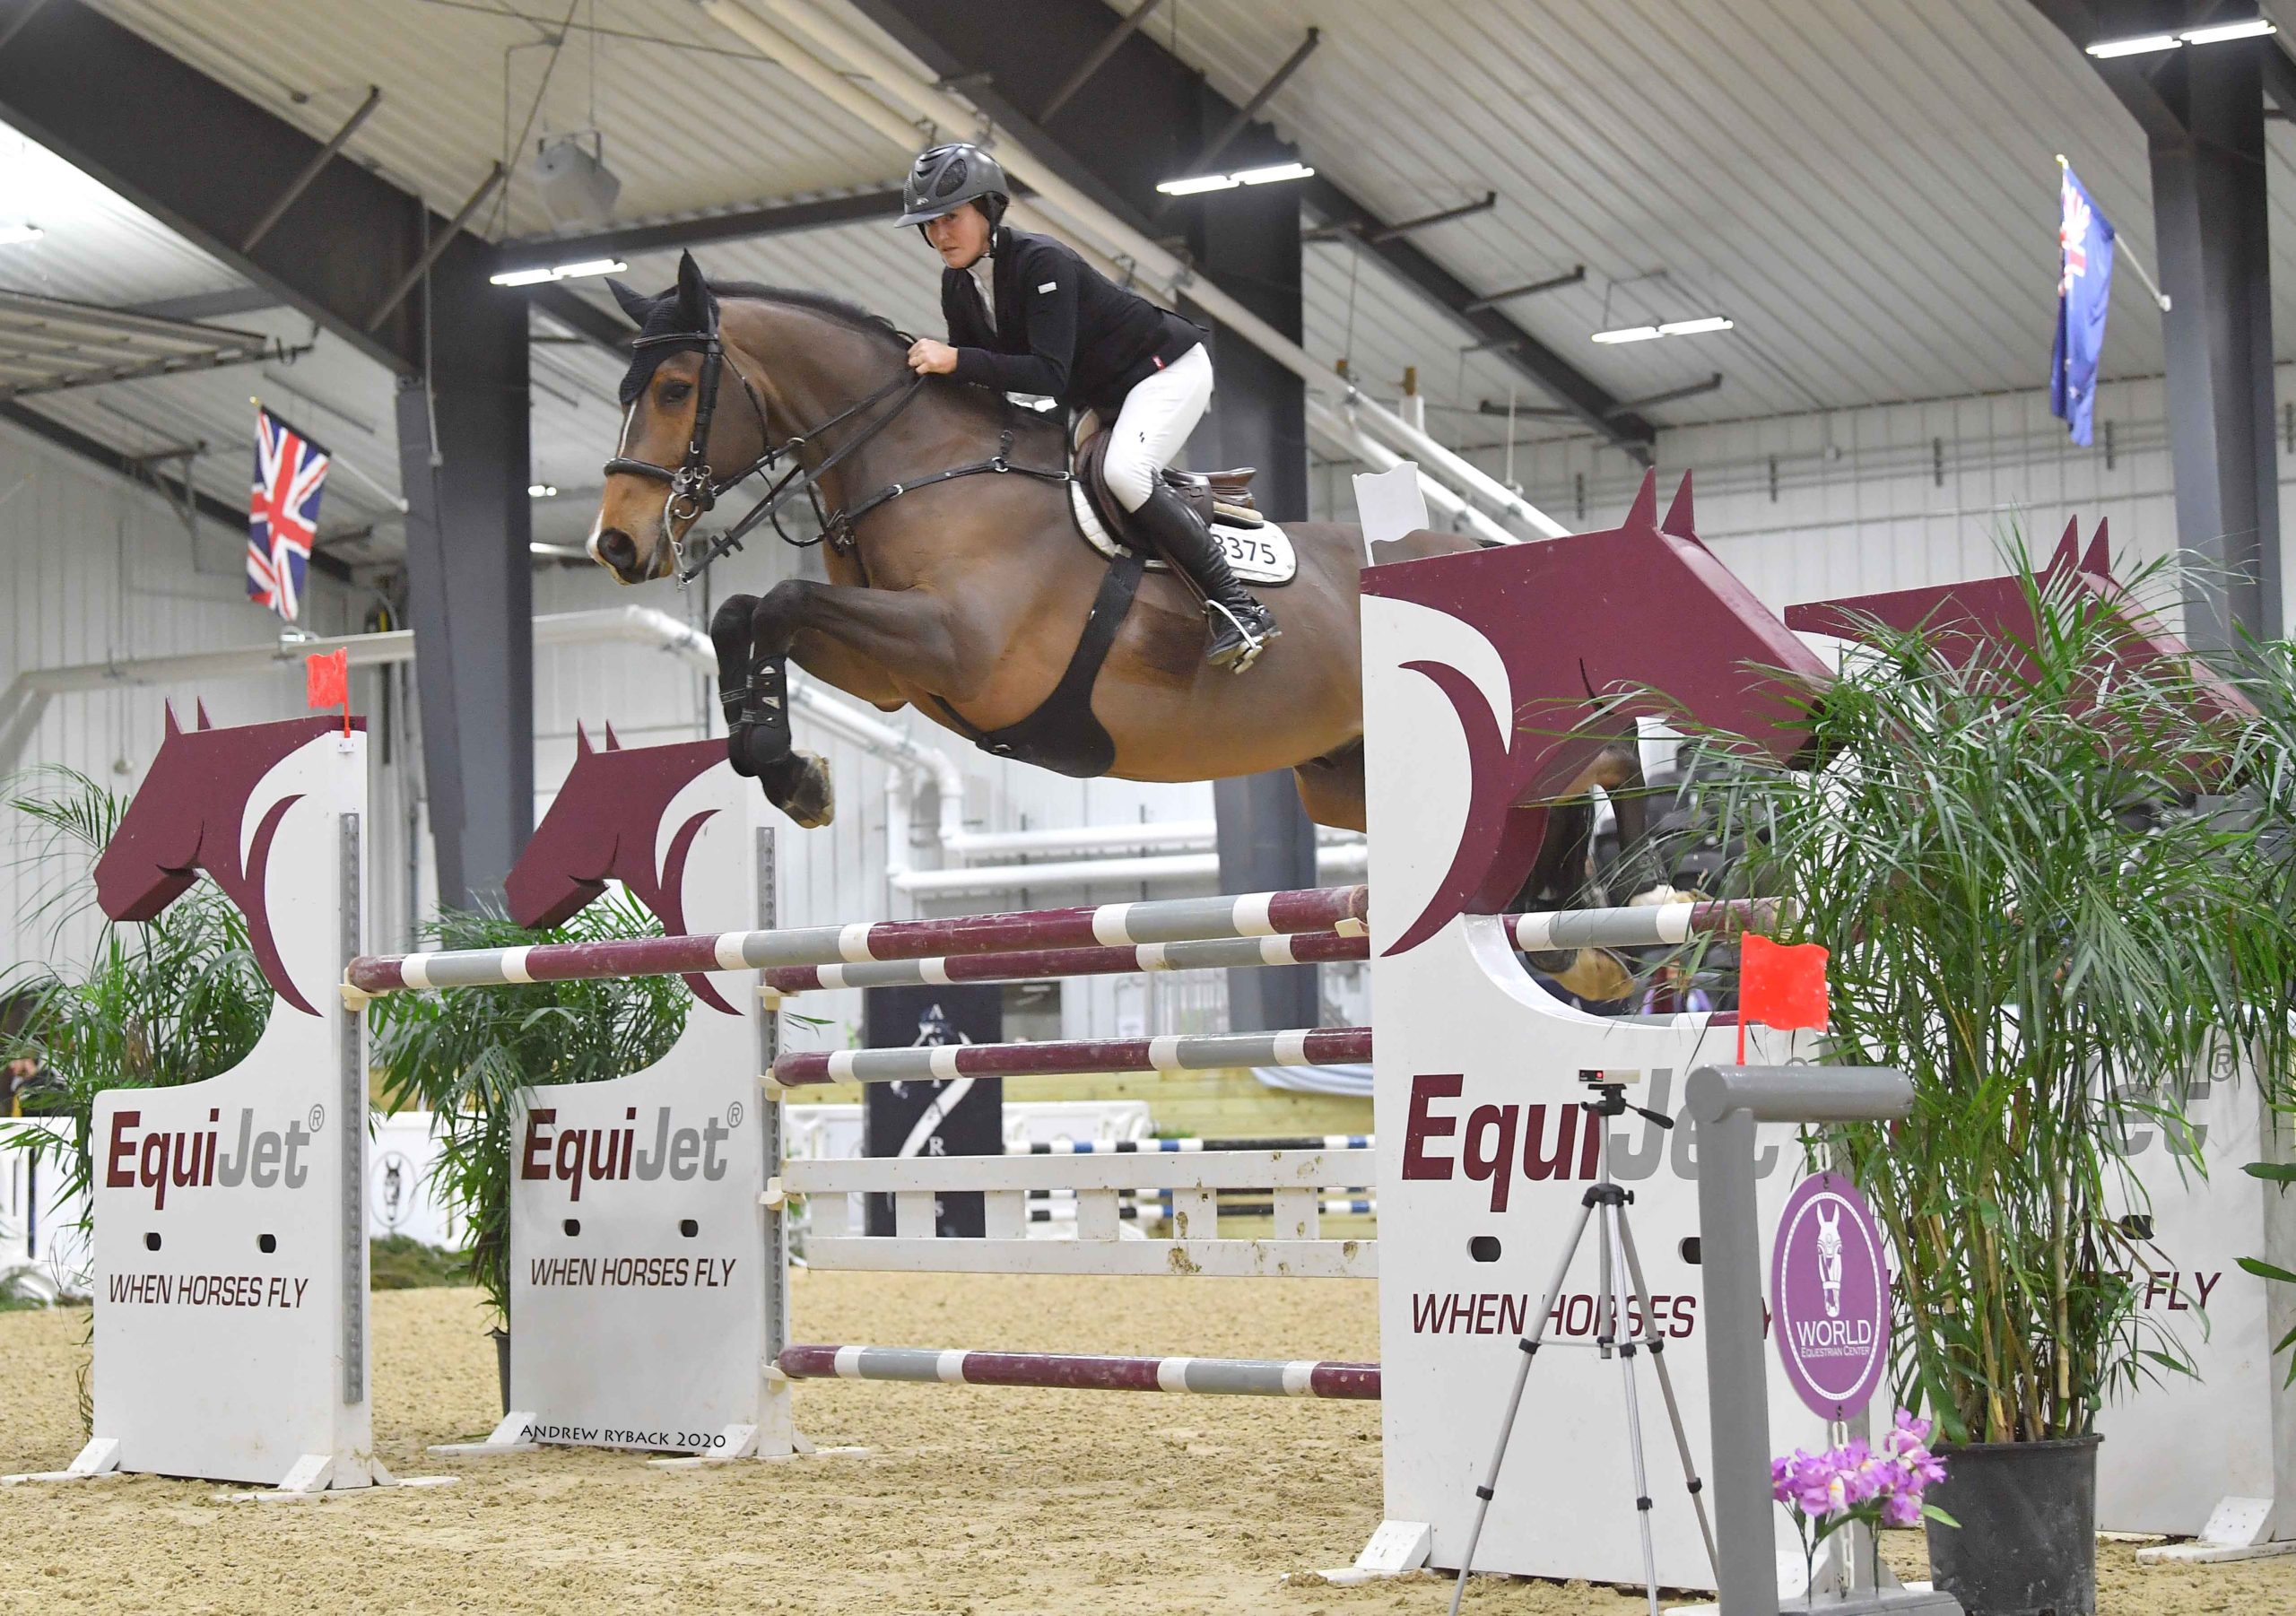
(1063, 329)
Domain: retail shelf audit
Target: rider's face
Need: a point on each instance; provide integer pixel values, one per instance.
(960, 237)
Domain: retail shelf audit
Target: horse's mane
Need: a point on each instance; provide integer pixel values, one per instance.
(843, 310)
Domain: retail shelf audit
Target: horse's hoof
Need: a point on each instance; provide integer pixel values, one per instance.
(799, 784)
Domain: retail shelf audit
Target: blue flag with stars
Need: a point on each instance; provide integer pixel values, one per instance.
(2084, 284)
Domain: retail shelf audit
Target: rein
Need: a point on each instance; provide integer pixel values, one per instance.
(695, 489)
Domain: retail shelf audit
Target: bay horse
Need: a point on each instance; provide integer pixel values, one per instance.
(959, 584)
(962, 598)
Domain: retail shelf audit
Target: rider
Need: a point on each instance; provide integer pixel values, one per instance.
(1027, 315)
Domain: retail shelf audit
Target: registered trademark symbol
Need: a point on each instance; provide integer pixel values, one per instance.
(734, 1114)
(319, 1117)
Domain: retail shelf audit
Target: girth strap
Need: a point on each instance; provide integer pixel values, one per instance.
(1062, 734)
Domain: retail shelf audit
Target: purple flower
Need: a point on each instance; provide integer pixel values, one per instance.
(1901, 1509)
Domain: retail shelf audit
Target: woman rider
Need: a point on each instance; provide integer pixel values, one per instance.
(1027, 315)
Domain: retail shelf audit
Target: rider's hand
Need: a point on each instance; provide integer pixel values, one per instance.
(929, 358)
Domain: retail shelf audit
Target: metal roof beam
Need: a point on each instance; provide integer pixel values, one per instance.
(141, 470)
(1136, 129)
(210, 165)
(744, 224)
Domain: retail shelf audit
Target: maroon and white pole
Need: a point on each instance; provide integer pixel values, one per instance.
(1205, 1052)
(1106, 926)
(1225, 1376)
(1224, 953)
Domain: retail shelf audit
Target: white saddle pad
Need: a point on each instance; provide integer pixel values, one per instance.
(1257, 555)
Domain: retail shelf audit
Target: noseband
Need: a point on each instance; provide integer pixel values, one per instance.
(694, 489)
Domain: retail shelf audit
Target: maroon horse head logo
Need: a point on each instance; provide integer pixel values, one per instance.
(1964, 619)
(604, 826)
(1640, 619)
(188, 815)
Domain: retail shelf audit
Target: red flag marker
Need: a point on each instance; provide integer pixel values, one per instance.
(327, 683)
(1780, 984)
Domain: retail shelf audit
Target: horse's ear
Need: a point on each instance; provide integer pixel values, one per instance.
(612, 744)
(2068, 548)
(581, 740)
(694, 300)
(1644, 516)
(2100, 559)
(634, 303)
(1679, 520)
(169, 707)
(204, 721)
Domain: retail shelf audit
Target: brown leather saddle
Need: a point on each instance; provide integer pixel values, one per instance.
(1220, 497)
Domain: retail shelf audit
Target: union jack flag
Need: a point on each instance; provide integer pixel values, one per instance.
(283, 513)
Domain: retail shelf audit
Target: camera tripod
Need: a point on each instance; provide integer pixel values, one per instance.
(1620, 1266)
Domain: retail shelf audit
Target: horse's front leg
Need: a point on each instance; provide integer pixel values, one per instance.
(889, 637)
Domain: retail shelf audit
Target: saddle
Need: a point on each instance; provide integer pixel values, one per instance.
(1220, 497)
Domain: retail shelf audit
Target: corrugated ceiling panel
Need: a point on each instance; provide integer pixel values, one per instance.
(692, 117)
(1867, 189)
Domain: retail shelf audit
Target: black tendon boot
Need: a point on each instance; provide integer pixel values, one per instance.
(1240, 626)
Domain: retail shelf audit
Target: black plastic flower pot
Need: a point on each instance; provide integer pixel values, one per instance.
(2027, 1541)
(502, 1364)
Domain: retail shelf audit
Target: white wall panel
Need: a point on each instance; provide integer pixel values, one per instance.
(99, 569)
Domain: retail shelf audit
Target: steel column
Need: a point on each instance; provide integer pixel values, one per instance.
(470, 578)
(1249, 241)
(2211, 227)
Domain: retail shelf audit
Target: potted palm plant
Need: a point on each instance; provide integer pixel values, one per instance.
(2039, 909)
(467, 1056)
(172, 1000)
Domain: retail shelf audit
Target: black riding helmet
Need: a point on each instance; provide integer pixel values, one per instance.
(944, 177)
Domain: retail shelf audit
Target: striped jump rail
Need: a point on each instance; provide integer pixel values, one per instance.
(1105, 925)
(1223, 953)
(1184, 1147)
(1648, 926)
(1173, 1052)
(1218, 1376)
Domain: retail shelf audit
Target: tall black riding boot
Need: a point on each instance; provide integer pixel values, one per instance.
(1240, 626)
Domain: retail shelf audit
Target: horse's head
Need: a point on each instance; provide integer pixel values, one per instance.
(153, 856)
(605, 825)
(643, 513)
(1588, 629)
(1995, 616)
(572, 852)
(1660, 627)
(190, 814)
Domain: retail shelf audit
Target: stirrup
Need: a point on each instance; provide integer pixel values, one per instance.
(1251, 641)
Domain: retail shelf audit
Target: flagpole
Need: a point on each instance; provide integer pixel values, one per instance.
(2120, 250)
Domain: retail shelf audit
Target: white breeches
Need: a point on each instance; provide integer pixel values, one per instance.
(1153, 427)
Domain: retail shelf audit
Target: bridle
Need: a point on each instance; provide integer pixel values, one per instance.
(694, 488)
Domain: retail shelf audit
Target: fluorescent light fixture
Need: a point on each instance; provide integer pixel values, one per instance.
(1629, 333)
(11, 235)
(541, 490)
(563, 271)
(2135, 46)
(1196, 184)
(1281, 170)
(2250, 29)
(1704, 323)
